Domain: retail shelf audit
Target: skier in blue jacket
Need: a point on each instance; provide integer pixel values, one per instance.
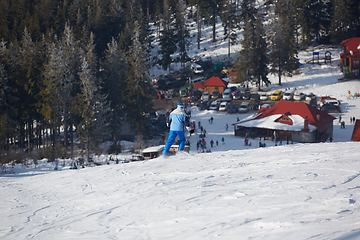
(176, 121)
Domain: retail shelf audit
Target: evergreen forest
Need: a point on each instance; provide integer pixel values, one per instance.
(81, 66)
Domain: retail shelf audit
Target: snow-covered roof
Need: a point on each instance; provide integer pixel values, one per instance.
(295, 111)
(153, 149)
(271, 123)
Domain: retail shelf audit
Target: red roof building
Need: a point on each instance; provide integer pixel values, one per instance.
(214, 83)
(356, 132)
(350, 58)
(232, 76)
(296, 121)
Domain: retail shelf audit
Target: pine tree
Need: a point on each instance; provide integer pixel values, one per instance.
(167, 40)
(283, 48)
(260, 53)
(181, 32)
(114, 74)
(230, 23)
(92, 107)
(7, 110)
(244, 62)
(138, 91)
(345, 19)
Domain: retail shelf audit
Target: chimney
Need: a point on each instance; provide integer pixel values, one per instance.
(306, 124)
(318, 117)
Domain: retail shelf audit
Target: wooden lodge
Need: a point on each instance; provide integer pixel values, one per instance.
(350, 58)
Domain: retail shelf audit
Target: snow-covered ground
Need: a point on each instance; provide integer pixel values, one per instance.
(295, 191)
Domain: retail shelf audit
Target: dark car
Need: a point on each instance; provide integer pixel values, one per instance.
(204, 105)
(238, 95)
(246, 96)
(232, 108)
(215, 95)
(329, 108)
(254, 96)
(256, 105)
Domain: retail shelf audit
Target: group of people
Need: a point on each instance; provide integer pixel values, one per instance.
(352, 120)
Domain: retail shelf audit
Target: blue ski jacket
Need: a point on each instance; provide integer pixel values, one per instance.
(177, 119)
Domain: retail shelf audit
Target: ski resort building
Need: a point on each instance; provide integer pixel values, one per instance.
(295, 121)
(350, 58)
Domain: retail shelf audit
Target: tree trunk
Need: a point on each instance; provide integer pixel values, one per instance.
(214, 26)
(198, 25)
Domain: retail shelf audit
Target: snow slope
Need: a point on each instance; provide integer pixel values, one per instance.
(302, 191)
(295, 191)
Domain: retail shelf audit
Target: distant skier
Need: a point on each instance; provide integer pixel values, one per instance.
(212, 143)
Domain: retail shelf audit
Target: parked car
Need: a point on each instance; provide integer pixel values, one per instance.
(224, 106)
(265, 105)
(328, 108)
(244, 107)
(204, 64)
(254, 96)
(217, 67)
(169, 94)
(238, 95)
(214, 105)
(310, 97)
(215, 94)
(323, 98)
(288, 95)
(227, 93)
(233, 108)
(332, 102)
(277, 95)
(233, 89)
(328, 99)
(226, 69)
(256, 105)
(246, 95)
(298, 96)
(263, 96)
(204, 105)
(205, 96)
(196, 68)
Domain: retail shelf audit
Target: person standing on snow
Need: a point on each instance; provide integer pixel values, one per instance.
(176, 121)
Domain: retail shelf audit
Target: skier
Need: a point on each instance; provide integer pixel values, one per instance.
(223, 140)
(226, 126)
(203, 143)
(176, 121)
(212, 143)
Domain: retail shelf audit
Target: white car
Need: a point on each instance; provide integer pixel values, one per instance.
(214, 105)
(288, 95)
(227, 94)
(298, 96)
(196, 68)
(224, 106)
(244, 107)
(263, 96)
(310, 97)
(205, 96)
